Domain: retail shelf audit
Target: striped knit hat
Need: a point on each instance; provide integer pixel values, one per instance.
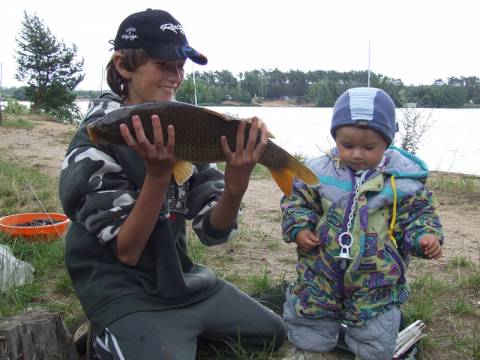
(365, 107)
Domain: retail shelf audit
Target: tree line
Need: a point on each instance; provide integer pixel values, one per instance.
(322, 88)
(317, 88)
(52, 70)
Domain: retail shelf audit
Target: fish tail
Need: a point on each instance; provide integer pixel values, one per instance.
(91, 134)
(294, 168)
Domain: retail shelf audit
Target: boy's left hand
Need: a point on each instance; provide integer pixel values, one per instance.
(431, 247)
(240, 163)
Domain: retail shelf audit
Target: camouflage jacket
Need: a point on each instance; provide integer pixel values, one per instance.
(99, 185)
(374, 279)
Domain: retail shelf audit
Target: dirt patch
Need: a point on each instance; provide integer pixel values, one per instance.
(42, 147)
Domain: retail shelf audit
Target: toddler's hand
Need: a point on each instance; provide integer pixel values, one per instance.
(431, 247)
(306, 240)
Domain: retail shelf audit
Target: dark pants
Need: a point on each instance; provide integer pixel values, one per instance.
(229, 315)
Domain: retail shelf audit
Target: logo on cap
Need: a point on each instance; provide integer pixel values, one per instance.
(130, 34)
(172, 27)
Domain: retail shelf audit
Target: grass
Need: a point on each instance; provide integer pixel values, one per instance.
(17, 122)
(16, 184)
(454, 183)
(446, 299)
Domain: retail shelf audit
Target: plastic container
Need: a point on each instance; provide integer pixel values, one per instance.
(12, 225)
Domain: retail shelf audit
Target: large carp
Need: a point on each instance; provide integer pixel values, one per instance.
(197, 139)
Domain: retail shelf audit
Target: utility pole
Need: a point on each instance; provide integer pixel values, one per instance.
(101, 81)
(368, 81)
(194, 88)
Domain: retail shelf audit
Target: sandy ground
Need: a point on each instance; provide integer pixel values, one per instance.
(44, 148)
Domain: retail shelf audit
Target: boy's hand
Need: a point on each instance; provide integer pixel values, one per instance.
(241, 162)
(431, 247)
(306, 240)
(159, 158)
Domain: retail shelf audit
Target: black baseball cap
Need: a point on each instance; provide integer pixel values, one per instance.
(159, 34)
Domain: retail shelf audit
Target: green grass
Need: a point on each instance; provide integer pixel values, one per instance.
(447, 302)
(461, 261)
(461, 307)
(16, 122)
(259, 283)
(50, 288)
(454, 183)
(20, 186)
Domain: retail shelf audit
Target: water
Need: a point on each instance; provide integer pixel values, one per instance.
(451, 144)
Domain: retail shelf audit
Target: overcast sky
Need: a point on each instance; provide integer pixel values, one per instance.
(413, 40)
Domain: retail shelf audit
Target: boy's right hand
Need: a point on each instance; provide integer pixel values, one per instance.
(159, 158)
(306, 240)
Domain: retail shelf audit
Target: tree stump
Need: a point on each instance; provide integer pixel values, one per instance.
(36, 334)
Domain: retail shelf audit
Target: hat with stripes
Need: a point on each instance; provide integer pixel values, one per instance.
(365, 107)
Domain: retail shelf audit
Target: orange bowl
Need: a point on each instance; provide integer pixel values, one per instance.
(29, 225)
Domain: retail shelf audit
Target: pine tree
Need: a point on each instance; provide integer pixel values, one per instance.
(50, 68)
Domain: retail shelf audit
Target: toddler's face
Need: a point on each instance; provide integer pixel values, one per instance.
(360, 148)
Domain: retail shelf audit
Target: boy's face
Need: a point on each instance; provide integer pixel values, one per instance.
(156, 80)
(360, 148)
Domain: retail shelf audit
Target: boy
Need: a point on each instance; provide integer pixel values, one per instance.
(356, 231)
(126, 250)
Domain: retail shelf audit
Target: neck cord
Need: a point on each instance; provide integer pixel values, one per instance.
(345, 239)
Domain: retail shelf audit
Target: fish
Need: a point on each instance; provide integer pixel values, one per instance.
(197, 139)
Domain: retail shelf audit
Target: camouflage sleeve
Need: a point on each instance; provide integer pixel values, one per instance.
(301, 210)
(95, 192)
(206, 187)
(417, 217)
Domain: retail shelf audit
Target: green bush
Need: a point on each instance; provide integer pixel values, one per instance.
(14, 107)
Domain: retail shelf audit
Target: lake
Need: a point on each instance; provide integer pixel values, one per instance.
(451, 144)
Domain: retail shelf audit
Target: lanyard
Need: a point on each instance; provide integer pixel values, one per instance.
(345, 239)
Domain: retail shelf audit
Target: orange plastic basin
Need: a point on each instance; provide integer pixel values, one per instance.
(10, 225)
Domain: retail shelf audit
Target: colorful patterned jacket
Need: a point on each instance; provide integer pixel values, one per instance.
(374, 280)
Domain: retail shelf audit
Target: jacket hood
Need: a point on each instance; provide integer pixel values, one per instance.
(396, 162)
(403, 164)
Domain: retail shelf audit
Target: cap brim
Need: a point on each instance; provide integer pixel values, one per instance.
(172, 53)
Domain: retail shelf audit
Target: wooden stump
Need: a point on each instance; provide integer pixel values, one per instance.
(36, 334)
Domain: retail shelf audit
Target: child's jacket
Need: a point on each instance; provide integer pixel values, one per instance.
(374, 280)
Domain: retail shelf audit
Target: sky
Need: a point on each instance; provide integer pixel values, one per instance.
(417, 41)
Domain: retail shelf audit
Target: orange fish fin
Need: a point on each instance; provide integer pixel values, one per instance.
(302, 171)
(91, 133)
(182, 171)
(284, 180)
(293, 169)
